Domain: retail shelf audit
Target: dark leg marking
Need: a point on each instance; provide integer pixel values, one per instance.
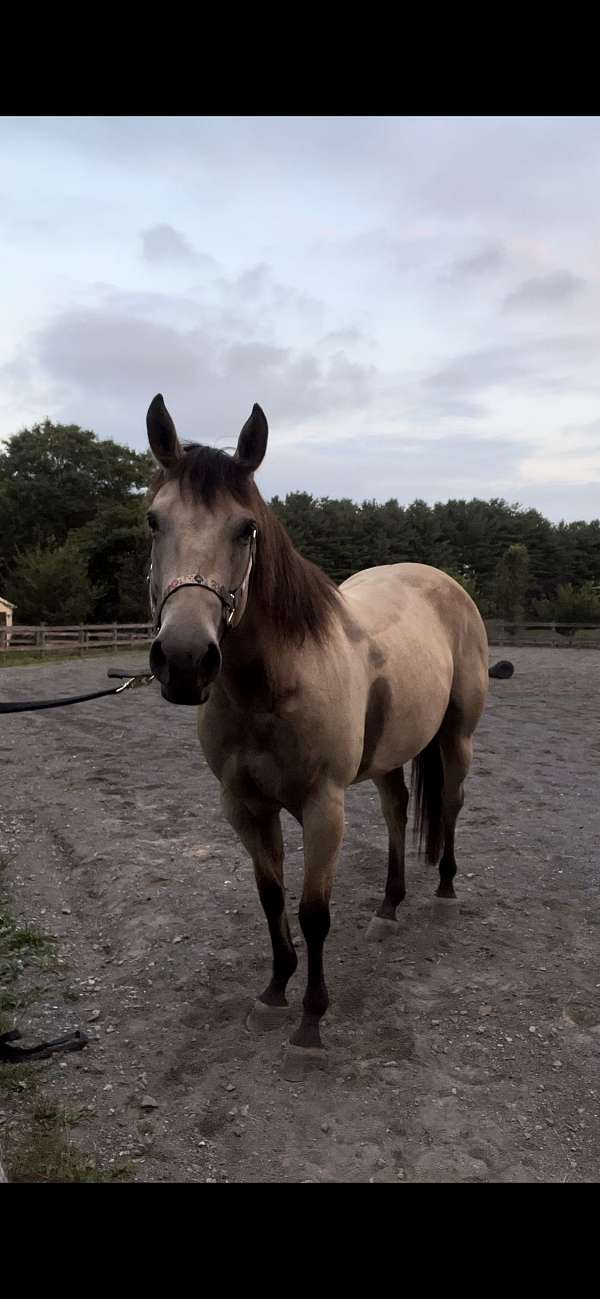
(284, 955)
(456, 750)
(394, 802)
(395, 891)
(447, 866)
(314, 922)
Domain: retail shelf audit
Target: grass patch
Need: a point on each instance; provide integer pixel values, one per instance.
(38, 1145)
(8, 1001)
(20, 940)
(36, 1138)
(20, 946)
(17, 1079)
(45, 1152)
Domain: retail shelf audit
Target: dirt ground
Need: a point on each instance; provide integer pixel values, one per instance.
(458, 1054)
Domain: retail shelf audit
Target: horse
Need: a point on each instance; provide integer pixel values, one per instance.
(305, 688)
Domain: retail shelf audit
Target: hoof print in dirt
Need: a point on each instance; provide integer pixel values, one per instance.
(380, 930)
(445, 911)
(302, 1062)
(262, 1018)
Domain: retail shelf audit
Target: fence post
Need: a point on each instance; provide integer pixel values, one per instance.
(115, 638)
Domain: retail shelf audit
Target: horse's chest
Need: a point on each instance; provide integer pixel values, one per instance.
(260, 759)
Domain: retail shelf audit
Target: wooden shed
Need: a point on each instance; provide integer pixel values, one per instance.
(6, 616)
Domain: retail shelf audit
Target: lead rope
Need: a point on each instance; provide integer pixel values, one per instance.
(34, 705)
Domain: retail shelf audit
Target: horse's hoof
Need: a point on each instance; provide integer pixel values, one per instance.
(380, 930)
(445, 910)
(302, 1061)
(262, 1018)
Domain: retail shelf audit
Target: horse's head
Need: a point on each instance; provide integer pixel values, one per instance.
(204, 517)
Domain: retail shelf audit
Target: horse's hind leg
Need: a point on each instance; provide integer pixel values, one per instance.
(457, 751)
(261, 836)
(394, 803)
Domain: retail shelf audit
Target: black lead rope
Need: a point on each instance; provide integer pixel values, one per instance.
(10, 1054)
(34, 705)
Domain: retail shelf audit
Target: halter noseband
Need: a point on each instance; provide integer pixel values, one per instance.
(228, 598)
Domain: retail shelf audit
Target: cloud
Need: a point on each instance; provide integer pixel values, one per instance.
(426, 245)
(383, 467)
(345, 337)
(571, 457)
(538, 363)
(543, 291)
(162, 243)
(589, 430)
(471, 268)
(562, 467)
(257, 287)
(576, 501)
(111, 362)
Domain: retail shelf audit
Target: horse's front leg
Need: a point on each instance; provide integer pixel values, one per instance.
(261, 836)
(323, 829)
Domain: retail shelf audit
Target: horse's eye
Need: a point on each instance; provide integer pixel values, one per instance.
(247, 532)
(153, 523)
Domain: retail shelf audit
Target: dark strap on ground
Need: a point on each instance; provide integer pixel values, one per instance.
(10, 1054)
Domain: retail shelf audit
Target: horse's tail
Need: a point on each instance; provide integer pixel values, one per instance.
(503, 669)
(426, 786)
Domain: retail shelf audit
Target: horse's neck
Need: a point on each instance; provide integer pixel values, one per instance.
(253, 672)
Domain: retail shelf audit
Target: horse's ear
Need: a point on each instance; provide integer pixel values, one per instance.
(162, 434)
(252, 442)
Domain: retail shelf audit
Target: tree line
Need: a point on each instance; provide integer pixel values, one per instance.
(74, 543)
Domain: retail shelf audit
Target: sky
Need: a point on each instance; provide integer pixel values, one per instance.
(414, 301)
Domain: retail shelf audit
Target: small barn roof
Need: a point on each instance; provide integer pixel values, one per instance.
(7, 604)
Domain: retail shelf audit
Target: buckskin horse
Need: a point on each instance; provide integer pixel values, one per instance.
(304, 689)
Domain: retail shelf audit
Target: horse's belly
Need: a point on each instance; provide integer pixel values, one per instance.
(404, 711)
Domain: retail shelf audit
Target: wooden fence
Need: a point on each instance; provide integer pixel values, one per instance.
(582, 634)
(81, 639)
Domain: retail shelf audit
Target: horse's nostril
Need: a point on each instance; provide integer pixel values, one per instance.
(210, 664)
(158, 661)
(177, 666)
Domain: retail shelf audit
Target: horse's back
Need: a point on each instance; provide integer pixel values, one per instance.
(416, 599)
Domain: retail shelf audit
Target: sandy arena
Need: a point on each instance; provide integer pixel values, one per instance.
(463, 1054)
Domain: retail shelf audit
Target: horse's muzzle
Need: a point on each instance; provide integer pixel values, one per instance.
(184, 675)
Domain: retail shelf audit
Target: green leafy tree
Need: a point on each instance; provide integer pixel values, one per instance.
(571, 604)
(55, 477)
(116, 544)
(61, 484)
(51, 584)
(512, 580)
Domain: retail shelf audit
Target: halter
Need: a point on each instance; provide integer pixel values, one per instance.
(227, 597)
